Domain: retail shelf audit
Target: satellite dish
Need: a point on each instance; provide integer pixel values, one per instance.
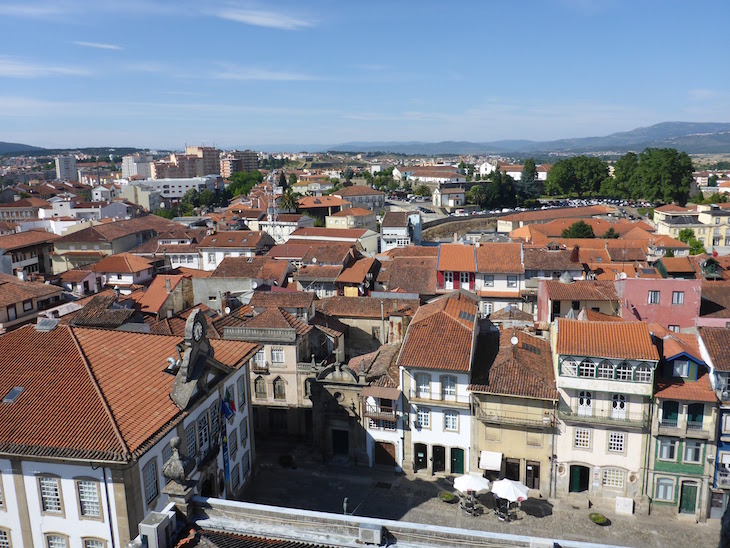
(514, 340)
(314, 260)
(254, 285)
(227, 310)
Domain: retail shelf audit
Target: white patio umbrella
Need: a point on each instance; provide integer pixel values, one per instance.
(513, 491)
(467, 482)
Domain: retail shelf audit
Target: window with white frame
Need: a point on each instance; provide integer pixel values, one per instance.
(582, 438)
(448, 387)
(692, 451)
(233, 443)
(464, 279)
(605, 370)
(677, 297)
(50, 489)
(4, 538)
(680, 368)
(654, 297)
(235, 476)
(616, 442)
(642, 373)
(241, 387)
(423, 385)
(277, 355)
(667, 449)
(203, 432)
(211, 258)
(94, 543)
(243, 429)
(587, 369)
(56, 541)
(568, 368)
(673, 328)
(624, 372)
(259, 358)
(89, 504)
(451, 420)
(190, 442)
(664, 489)
(488, 280)
(149, 474)
(423, 417)
(511, 281)
(487, 308)
(613, 478)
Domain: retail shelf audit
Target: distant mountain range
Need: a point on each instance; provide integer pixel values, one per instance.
(690, 137)
(8, 148)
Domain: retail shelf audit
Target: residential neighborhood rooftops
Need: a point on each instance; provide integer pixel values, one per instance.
(246, 239)
(547, 214)
(457, 258)
(365, 307)
(282, 299)
(12, 290)
(310, 202)
(358, 190)
(678, 265)
(353, 212)
(10, 242)
(395, 219)
(679, 389)
(618, 340)
(250, 267)
(412, 275)
(581, 290)
(158, 292)
(123, 263)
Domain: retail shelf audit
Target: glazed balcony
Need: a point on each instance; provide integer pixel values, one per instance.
(606, 417)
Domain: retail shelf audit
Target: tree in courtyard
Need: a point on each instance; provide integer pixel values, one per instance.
(561, 179)
(663, 174)
(610, 234)
(282, 180)
(528, 185)
(423, 190)
(579, 229)
(292, 179)
(687, 235)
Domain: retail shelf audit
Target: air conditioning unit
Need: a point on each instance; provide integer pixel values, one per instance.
(155, 531)
(369, 533)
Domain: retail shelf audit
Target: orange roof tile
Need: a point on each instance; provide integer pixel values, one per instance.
(157, 293)
(457, 258)
(581, 290)
(717, 342)
(122, 263)
(354, 212)
(619, 340)
(357, 271)
(681, 389)
(499, 257)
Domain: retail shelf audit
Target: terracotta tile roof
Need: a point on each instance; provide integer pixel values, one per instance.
(75, 275)
(441, 335)
(12, 290)
(122, 263)
(619, 340)
(290, 250)
(558, 213)
(157, 292)
(102, 310)
(328, 325)
(380, 367)
(717, 343)
(9, 242)
(592, 316)
(193, 272)
(365, 307)
(457, 258)
(673, 208)
(510, 313)
(395, 219)
(242, 239)
(324, 233)
(674, 344)
(611, 271)
(662, 240)
(412, 275)
(541, 258)
(524, 369)
(357, 190)
(110, 231)
(282, 299)
(500, 257)
(312, 273)
(311, 202)
(244, 267)
(353, 212)
(276, 318)
(715, 301)
(356, 272)
(626, 254)
(680, 389)
(581, 290)
(515, 294)
(678, 265)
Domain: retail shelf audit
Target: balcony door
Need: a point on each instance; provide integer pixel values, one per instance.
(618, 407)
(585, 403)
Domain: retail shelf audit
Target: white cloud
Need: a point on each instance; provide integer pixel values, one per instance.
(12, 67)
(268, 19)
(98, 45)
(32, 11)
(233, 72)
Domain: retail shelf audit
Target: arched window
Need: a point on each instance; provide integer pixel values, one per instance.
(642, 373)
(624, 372)
(605, 370)
(587, 369)
(259, 387)
(568, 368)
(279, 389)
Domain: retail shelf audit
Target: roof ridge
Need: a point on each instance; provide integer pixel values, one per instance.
(127, 453)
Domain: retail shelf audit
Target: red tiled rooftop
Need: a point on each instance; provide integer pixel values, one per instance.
(457, 258)
(618, 340)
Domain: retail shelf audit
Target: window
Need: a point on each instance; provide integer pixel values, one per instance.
(464, 279)
(94, 543)
(642, 373)
(27, 305)
(488, 280)
(613, 478)
(451, 420)
(423, 385)
(259, 358)
(674, 328)
(4, 538)
(56, 541)
(279, 389)
(568, 368)
(487, 308)
(605, 370)
(50, 489)
(448, 388)
(654, 297)
(677, 297)
(89, 505)
(214, 421)
(211, 258)
(511, 281)
(259, 387)
(575, 305)
(664, 489)
(582, 438)
(233, 443)
(241, 387)
(695, 416)
(149, 474)
(624, 372)
(245, 464)
(680, 368)
(243, 428)
(190, 441)
(692, 451)
(203, 432)
(667, 449)
(618, 407)
(423, 417)
(587, 369)
(235, 476)
(277, 355)
(616, 441)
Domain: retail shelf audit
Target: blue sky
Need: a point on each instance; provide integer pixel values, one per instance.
(162, 74)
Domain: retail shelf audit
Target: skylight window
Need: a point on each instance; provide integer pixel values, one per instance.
(13, 395)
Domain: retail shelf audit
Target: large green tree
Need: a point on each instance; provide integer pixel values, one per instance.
(528, 187)
(561, 179)
(663, 174)
(687, 235)
(579, 229)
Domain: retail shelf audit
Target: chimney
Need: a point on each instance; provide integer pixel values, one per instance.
(575, 254)
(456, 237)
(167, 285)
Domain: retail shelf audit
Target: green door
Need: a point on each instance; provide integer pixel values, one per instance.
(688, 498)
(457, 461)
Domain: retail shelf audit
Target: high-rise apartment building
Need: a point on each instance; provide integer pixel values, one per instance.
(196, 162)
(137, 164)
(66, 168)
(235, 161)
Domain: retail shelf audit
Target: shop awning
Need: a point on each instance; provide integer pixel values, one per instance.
(490, 460)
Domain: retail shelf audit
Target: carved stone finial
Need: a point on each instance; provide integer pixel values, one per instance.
(174, 468)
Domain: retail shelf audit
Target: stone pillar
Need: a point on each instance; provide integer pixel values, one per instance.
(179, 489)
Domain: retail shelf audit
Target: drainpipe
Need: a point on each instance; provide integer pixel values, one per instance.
(647, 450)
(382, 322)
(553, 476)
(108, 507)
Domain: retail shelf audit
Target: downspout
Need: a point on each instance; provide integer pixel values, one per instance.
(108, 507)
(647, 449)
(552, 489)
